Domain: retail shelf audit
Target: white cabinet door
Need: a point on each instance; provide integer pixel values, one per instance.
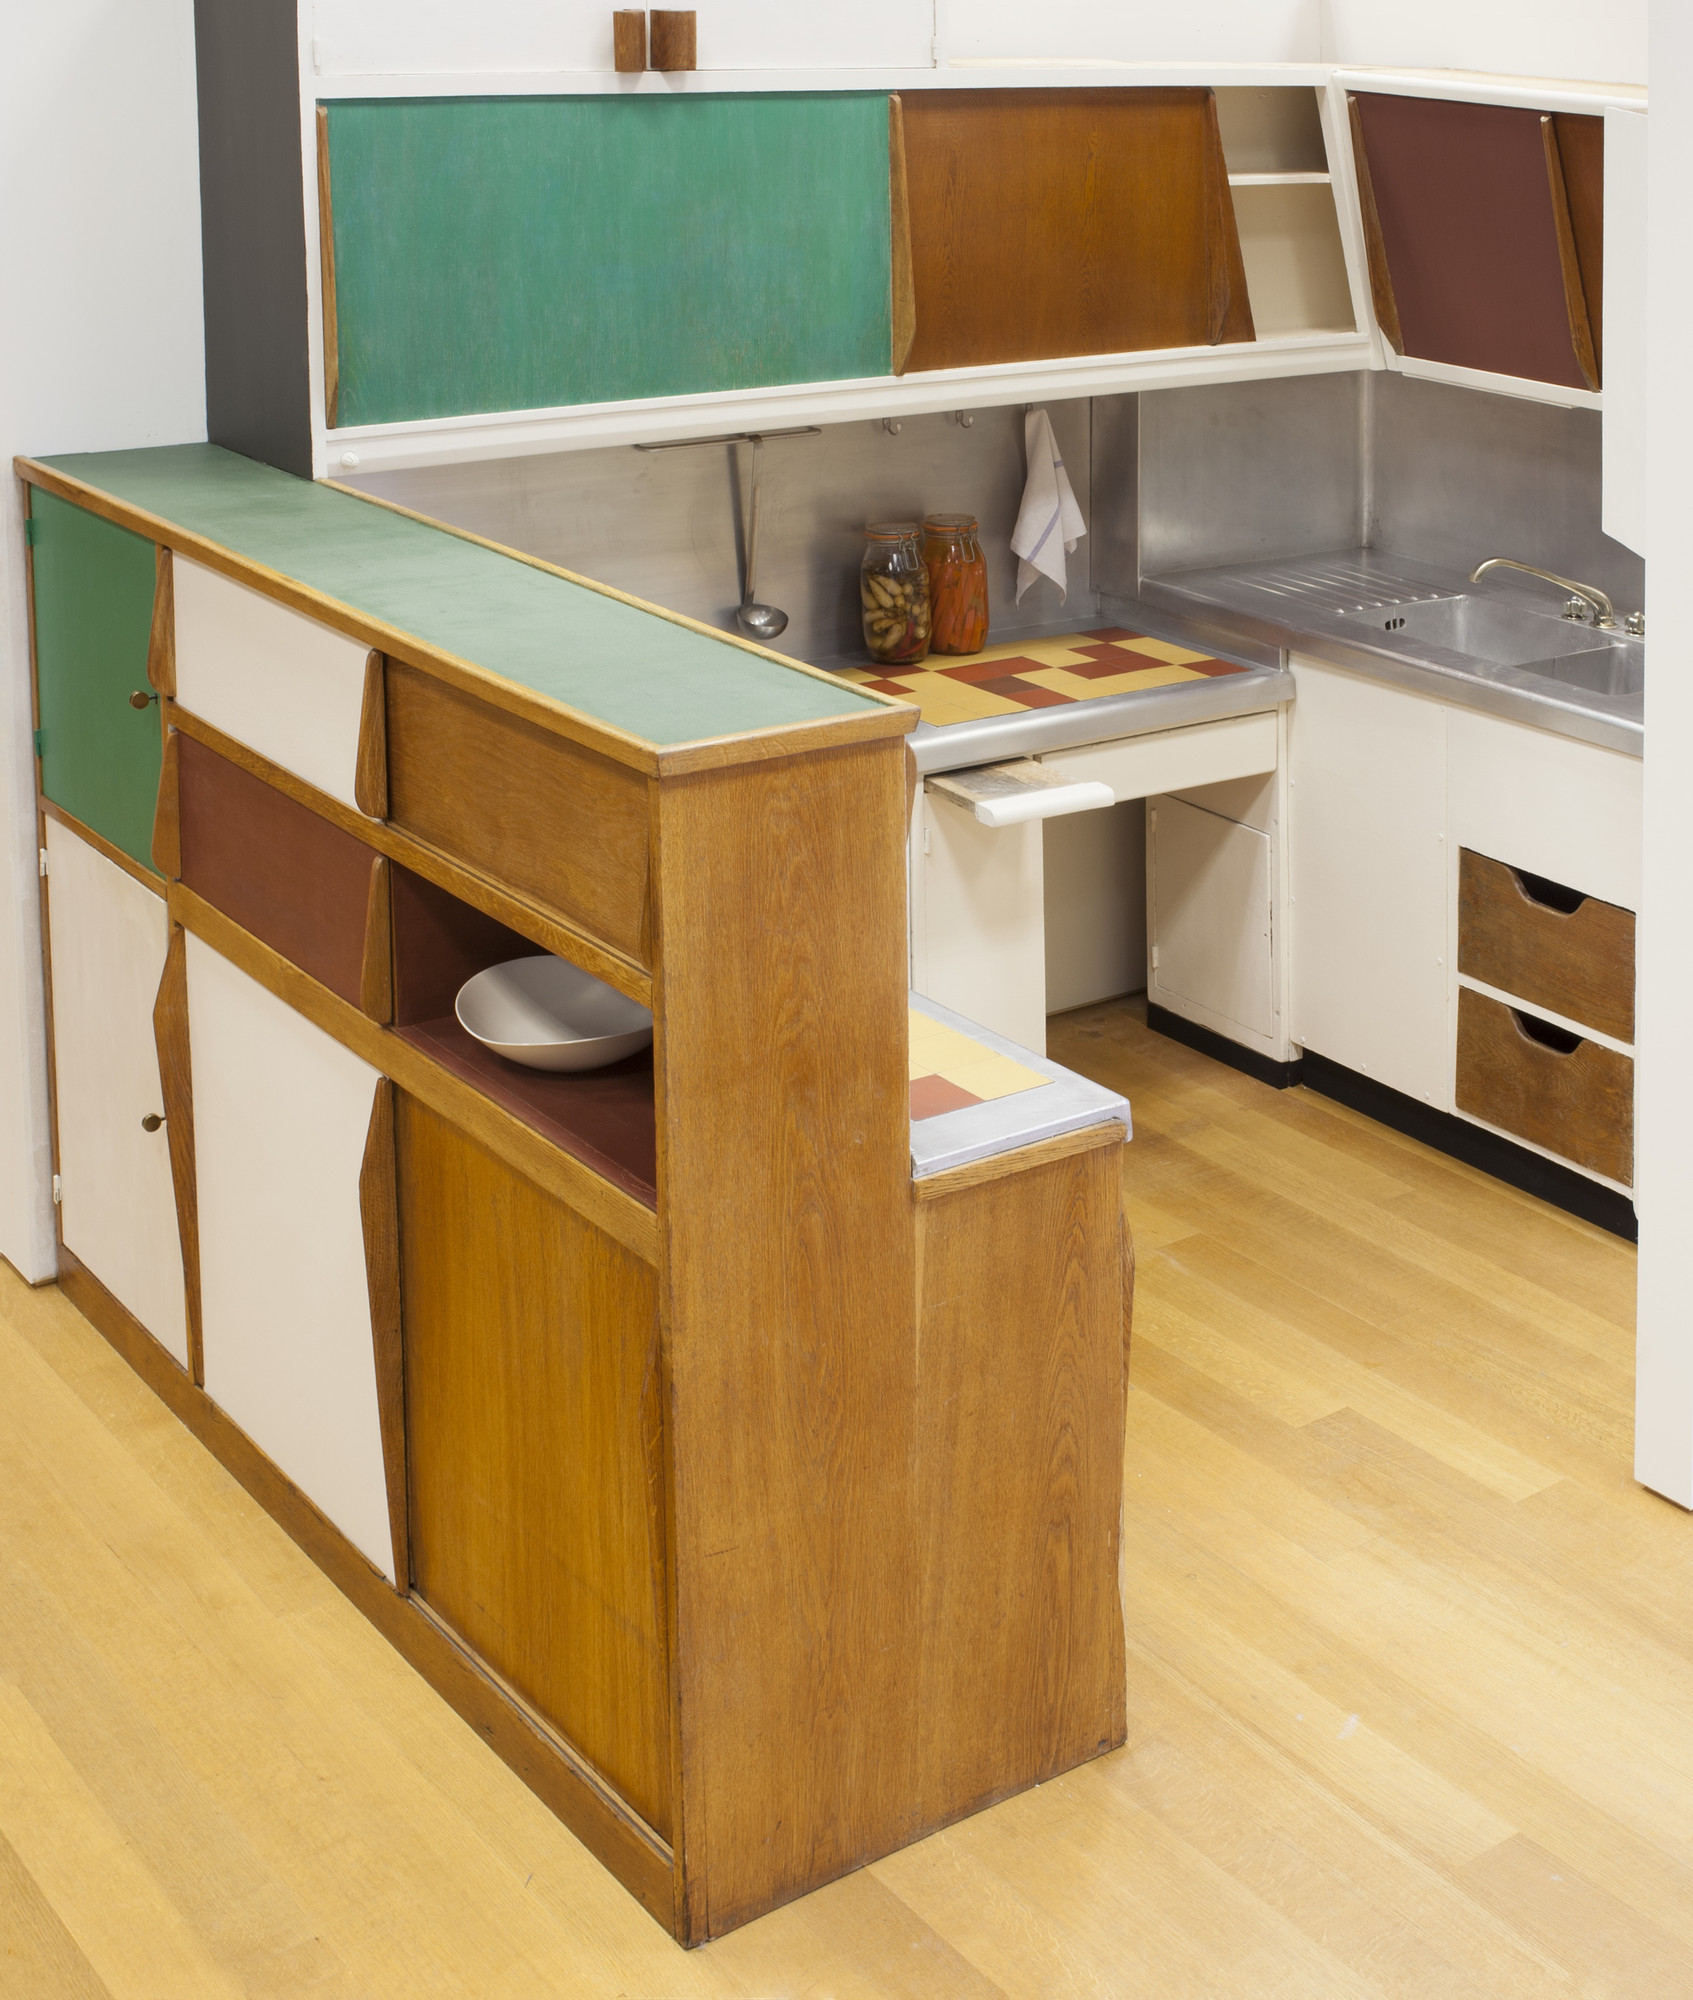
(978, 922)
(279, 682)
(108, 933)
(281, 1115)
(1367, 805)
(1209, 915)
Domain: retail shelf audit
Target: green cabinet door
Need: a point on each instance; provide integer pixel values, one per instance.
(93, 618)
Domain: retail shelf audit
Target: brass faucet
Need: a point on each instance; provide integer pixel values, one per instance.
(1587, 604)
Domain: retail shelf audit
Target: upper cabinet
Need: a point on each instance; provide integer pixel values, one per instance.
(1485, 230)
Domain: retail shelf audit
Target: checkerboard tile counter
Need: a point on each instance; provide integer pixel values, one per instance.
(1043, 673)
(974, 1093)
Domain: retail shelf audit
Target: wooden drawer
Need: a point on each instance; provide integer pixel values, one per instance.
(1547, 944)
(1526, 1076)
(534, 811)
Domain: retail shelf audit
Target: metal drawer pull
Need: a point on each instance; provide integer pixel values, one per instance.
(141, 700)
(151, 1122)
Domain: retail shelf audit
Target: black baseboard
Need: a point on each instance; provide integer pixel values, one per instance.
(1563, 1187)
(1264, 1069)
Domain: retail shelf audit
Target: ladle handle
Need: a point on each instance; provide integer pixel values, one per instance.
(752, 521)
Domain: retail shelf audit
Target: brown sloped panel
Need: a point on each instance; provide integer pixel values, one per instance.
(1569, 262)
(1469, 233)
(370, 771)
(1381, 279)
(176, 1085)
(1047, 223)
(1231, 308)
(379, 1215)
(1581, 147)
(296, 882)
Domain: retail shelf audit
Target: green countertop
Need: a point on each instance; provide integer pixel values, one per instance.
(622, 666)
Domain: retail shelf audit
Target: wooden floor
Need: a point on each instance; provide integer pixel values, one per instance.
(1410, 1668)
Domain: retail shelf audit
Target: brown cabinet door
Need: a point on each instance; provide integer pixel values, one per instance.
(534, 1449)
(1485, 228)
(1046, 223)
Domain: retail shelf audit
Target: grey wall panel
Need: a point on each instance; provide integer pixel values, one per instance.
(253, 231)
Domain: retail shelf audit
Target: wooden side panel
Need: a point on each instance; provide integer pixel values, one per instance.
(1581, 148)
(902, 285)
(379, 1215)
(1579, 963)
(1469, 234)
(176, 1080)
(281, 1121)
(784, 1157)
(283, 684)
(1020, 1441)
(1569, 260)
(1577, 1103)
(531, 1342)
(275, 867)
(1056, 222)
(541, 814)
(1375, 250)
(108, 937)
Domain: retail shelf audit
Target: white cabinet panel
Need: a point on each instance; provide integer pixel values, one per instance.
(1367, 806)
(1623, 446)
(108, 934)
(1224, 31)
(1209, 912)
(281, 1115)
(1546, 803)
(978, 924)
(281, 683)
(1173, 760)
(383, 37)
(1093, 868)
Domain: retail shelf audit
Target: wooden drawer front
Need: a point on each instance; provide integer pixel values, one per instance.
(534, 811)
(1578, 1103)
(274, 867)
(273, 679)
(1578, 962)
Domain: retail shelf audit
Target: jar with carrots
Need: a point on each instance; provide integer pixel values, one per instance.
(958, 584)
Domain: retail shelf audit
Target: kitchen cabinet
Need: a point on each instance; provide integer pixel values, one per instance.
(93, 588)
(107, 935)
(281, 1119)
(1369, 880)
(1485, 233)
(978, 918)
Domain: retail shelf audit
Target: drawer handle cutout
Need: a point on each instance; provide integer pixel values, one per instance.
(1548, 894)
(1559, 1040)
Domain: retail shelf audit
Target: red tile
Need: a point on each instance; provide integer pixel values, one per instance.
(1114, 632)
(1212, 668)
(889, 687)
(1025, 692)
(978, 673)
(931, 1095)
(1104, 661)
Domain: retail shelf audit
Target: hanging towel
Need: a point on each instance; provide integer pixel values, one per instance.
(1049, 523)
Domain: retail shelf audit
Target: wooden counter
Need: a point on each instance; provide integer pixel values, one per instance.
(759, 1505)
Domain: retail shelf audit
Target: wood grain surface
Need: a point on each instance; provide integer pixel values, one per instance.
(176, 1082)
(161, 642)
(1408, 1651)
(1469, 233)
(370, 772)
(326, 273)
(902, 315)
(376, 964)
(529, 1339)
(1047, 223)
(1375, 251)
(1579, 1104)
(547, 818)
(283, 873)
(1021, 1669)
(166, 844)
(1579, 964)
(1569, 257)
(1581, 153)
(629, 39)
(379, 1215)
(673, 38)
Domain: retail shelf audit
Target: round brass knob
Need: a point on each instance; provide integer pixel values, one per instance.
(151, 1122)
(140, 700)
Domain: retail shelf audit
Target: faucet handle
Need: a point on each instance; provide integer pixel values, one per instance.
(1578, 609)
(1635, 624)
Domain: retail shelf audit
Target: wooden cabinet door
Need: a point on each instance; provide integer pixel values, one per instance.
(1370, 884)
(281, 1119)
(93, 602)
(1486, 234)
(107, 934)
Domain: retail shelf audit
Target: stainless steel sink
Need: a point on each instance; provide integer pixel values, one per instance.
(1480, 627)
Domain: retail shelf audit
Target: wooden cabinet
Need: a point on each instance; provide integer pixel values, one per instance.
(1485, 229)
(1564, 1093)
(92, 592)
(107, 935)
(281, 1120)
(1367, 812)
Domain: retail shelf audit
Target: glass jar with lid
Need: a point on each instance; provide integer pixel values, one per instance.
(893, 590)
(958, 583)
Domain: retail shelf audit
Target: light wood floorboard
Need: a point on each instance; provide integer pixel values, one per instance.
(1410, 1671)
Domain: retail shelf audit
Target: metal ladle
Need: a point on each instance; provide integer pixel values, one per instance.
(762, 622)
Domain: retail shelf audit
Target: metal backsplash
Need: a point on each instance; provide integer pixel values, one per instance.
(666, 525)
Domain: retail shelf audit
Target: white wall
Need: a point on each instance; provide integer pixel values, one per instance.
(1594, 41)
(1134, 31)
(1663, 1449)
(100, 347)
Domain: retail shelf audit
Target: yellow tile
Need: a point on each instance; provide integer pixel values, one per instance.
(992, 1075)
(1061, 681)
(968, 705)
(1161, 649)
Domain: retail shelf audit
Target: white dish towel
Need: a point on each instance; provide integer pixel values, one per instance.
(1049, 523)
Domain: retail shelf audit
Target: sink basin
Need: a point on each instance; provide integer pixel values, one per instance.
(1479, 627)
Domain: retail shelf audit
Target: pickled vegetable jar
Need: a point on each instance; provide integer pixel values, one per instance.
(958, 583)
(893, 588)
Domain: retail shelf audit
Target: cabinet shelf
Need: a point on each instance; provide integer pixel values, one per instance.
(1280, 180)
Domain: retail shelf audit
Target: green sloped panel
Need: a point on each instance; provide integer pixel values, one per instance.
(93, 616)
(518, 253)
